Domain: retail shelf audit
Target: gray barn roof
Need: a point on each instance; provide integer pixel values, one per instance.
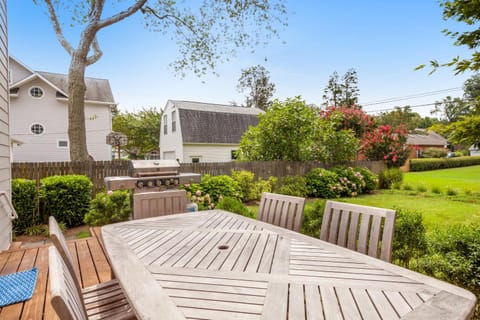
(429, 139)
(97, 89)
(214, 123)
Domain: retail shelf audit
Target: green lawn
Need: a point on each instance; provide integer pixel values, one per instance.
(462, 179)
(438, 211)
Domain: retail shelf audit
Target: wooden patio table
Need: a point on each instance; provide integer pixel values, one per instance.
(220, 265)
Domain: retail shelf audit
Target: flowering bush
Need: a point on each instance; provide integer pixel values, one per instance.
(370, 179)
(322, 183)
(221, 185)
(196, 195)
(353, 118)
(211, 190)
(386, 144)
(351, 181)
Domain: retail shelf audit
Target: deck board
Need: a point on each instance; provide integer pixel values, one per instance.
(91, 266)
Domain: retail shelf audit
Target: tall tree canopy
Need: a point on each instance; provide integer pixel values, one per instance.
(466, 12)
(206, 33)
(292, 130)
(341, 92)
(142, 130)
(256, 80)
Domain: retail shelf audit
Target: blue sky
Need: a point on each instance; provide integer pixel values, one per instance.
(382, 40)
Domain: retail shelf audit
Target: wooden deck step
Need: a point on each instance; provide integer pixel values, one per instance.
(92, 267)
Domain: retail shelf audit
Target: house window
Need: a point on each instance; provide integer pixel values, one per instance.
(165, 125)
(234, 154)
(36, 92)
(37, 129)
(62, 144)
(195, 159)
(174, 121)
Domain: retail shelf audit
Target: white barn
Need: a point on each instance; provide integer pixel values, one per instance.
(39, 115)
(203, 132)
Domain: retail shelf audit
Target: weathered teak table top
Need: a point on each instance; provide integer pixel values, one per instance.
(219, 265)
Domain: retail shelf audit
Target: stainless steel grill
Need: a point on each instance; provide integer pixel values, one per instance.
(152, 175)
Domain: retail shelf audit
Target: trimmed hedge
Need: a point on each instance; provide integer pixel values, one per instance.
(67, 198)
(24, 200)
(445, 163)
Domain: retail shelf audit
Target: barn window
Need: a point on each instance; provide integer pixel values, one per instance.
(165, 125)
(174, 121)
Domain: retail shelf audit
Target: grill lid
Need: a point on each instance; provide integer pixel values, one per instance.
(140, 168)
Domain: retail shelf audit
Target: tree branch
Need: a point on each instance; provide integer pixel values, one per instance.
(151, 11)
(121, 15)
(58, 30)
(97, 52)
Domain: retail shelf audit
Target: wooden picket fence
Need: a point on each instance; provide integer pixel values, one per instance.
(98, 170)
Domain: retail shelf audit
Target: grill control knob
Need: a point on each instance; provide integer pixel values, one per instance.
(140, 184)
(158, 183)
(150, 183)
(167, 182)
(175, 182)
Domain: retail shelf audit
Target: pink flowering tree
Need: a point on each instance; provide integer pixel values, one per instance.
(387, 144)
(353, 118)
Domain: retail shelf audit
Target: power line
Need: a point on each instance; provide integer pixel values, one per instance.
(412, 107)
(412, 96)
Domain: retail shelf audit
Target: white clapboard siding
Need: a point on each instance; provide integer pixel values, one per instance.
(5, 221)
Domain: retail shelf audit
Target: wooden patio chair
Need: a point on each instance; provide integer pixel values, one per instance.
(282, 210)
(105, 300)
(368, 230)
(159, 203)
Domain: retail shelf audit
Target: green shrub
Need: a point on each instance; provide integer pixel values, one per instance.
(322, 183)
(454, 256)
(407, 187)
(35, 230)
(246, 181)
(265, 185)
(234, 205)
(436, 190)
(67, 198)
(293, 186)
(223, 185)
(24, 200)
(434, 153)
(421, 187)
(450, 191)
(370, 179)
(409, 239)
(312, 218)
(390, 176)
(434, 164)
(108, 208)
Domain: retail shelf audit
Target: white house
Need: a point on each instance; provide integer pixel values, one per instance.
(474, 150)
(5, 175)
(39, 115)
(203, 132)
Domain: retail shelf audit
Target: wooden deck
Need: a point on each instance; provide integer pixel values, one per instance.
(91, 265)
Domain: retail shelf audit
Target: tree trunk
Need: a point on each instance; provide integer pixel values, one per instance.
(76, 108)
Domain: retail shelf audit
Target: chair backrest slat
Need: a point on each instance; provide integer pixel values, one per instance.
(65, 298)
(282, 210)
(60, 243)
(159, 203)
(370, 229)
